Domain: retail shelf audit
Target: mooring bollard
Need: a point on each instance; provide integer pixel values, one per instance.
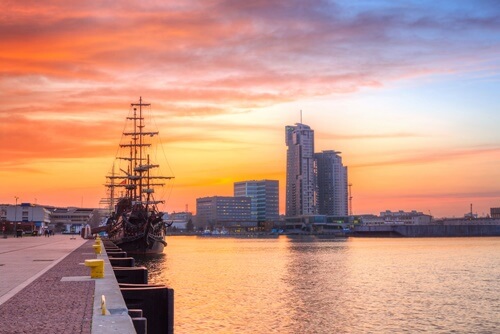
(96, 267)
(103, 305)
(97, 248)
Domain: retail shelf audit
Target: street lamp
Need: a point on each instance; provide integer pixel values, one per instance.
(15, 217)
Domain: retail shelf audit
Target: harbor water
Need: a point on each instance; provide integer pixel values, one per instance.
(310, 285)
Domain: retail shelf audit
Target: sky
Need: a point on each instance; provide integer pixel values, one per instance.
(408, 91)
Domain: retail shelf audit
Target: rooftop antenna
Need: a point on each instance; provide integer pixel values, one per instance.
(300, 116)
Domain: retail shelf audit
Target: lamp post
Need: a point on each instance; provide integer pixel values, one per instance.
(4, 216)
(15, 217)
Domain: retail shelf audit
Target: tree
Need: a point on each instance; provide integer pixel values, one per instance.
(190, 226)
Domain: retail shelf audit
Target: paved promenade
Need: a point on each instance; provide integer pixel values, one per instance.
(34, 298)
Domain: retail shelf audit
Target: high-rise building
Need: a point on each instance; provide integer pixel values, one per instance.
(300, 178)
(264, 195)
(331, 184)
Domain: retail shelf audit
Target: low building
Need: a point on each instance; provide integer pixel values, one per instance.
(370, 219)
(70, 220)
(224, 211)
(26, 216)
(495, 212)
(409, 218)
(179, 220)
(317, 224)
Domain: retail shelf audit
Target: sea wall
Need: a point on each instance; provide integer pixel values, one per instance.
(428, 230)
(447, 230)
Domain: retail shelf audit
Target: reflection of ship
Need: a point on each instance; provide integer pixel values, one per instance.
(136, 225)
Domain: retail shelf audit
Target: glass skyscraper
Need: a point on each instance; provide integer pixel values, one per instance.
(264, 196)
(300, 178)
(332, 195)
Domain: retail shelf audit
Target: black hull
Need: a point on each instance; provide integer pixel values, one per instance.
(139, 246)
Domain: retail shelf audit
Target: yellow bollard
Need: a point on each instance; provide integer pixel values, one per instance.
(97, 248)
(96, 267)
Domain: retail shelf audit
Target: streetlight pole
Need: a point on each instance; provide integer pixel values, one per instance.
(15, 217)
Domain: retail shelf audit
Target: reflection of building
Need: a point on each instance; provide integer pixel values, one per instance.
(264, 195)
(224, 211)
(300, 178)
(495, 212)
(331, 184)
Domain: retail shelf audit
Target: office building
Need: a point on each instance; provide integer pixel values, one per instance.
(300, 177)
(224, 211)
(264, 195)
(332, 193)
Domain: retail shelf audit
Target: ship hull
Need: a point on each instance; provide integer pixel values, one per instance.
(139, 246)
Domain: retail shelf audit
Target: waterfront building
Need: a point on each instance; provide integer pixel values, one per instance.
(495, 212)
(321, 224)
(71, 219)
(401, 217)
(332, 196)
(32, 217)
(264, 195)
(224, 211)
(25, 216)
(179, 220)
(300, 176)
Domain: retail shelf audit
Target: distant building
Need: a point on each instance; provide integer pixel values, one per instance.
(370, 219)
(264, 195)
(317, 224)
(331, 183)
(495, 212)
(300, 177)
(224, 211)
(179, 220)
(37, 217)
(26, 214)
(402, 217)
(71, 219)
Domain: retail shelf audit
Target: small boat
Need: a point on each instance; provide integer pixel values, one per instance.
(136, 225)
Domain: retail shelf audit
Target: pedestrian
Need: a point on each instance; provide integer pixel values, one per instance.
(46, 233)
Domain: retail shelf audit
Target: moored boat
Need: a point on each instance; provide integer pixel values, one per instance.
(136, 224)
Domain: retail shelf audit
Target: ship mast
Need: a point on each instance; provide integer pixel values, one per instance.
(137, 179)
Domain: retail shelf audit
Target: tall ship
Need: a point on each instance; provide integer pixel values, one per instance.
(136, 224)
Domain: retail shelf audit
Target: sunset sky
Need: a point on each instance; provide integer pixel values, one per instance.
(408, 91)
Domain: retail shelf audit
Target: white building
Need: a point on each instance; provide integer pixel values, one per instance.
(179, 220)
(401, 217)
(264, 195)
(26, 215)
(331, 184)
(70, 220)
(300, 177)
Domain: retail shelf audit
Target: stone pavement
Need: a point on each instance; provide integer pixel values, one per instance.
(24, 259)
(33, 296)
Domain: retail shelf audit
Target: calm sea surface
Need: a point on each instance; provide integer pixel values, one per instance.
(306, 285)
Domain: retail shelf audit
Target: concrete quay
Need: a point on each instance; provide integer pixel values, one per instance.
(45, 288)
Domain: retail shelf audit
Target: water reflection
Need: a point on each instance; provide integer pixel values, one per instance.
(309, 285)
(316, 273)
